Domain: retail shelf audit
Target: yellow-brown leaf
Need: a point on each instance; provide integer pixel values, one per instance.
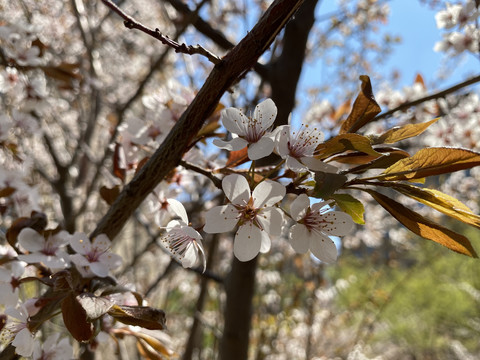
(431, 161)
(344, 142)
(403, 132)
(425, 227)
(365, 108)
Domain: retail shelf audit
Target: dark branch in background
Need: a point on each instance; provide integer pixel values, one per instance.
(121, 110)
(213, 34)
(239, 60)
(437, 95)
(208, 173)
(131, 23)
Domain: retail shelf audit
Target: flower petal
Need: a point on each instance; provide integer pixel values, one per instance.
(265, 113)
(261, 148)
(295, 165)
(299, 206)
(236, 189)
(80, 243)
(268, 193)
(178, 208)
(323, 248)
(271, 220)
(266, 243)
(234, 144)
(232, 118)
(282, 139)
(337, 223)
(31, 240)
(220, 219)
(24, 342)
(300, 238)
(248, 240)
(101, 242)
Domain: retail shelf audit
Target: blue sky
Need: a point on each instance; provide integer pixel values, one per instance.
(416, 25)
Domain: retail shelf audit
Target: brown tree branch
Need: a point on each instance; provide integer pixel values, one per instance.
(437, 95)
(238, 61)
(131, 23)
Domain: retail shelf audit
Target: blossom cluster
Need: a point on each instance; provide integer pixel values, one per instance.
(257, 205)
(45, 251)
(461, 17)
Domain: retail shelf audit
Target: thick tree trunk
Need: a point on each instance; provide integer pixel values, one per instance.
(240, 287)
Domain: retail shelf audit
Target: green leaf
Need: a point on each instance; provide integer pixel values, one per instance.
(365, 108)
(326, 184)
(424, 227)
(351, 206)
(439, 201)
(402, 132)
(344, 142)
(430, 162)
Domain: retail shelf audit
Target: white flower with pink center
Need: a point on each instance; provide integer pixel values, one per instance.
(313, 227)
(254, 214)
(298, 148)
(48, 252)
(16, 331)
(253, 132)
(182, 241)
(93, 258)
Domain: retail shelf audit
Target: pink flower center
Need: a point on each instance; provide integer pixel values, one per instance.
(304, 142)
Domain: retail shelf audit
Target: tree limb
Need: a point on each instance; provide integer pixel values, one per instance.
(237, 62)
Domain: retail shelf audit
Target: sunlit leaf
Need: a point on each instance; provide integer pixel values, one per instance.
(351, 206)
(431, 161)
(75, 319)
(94, 306)
(390, 157)
(144, 316)
(439, 201)
(345, 142)
(365, 108)
(424, 227)
(402, 132)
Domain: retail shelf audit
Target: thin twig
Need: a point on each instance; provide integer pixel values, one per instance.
(437, 95)
(131, 23)
(208, 173)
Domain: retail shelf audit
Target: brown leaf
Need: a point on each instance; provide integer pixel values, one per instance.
(403, 132)
(144, 316)
(7, 191)
(236, 158)
(109, 194)
(365, 108)
(37, 221)
(345, 142)
(423, 226)
(431, 161)
(75, 319)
